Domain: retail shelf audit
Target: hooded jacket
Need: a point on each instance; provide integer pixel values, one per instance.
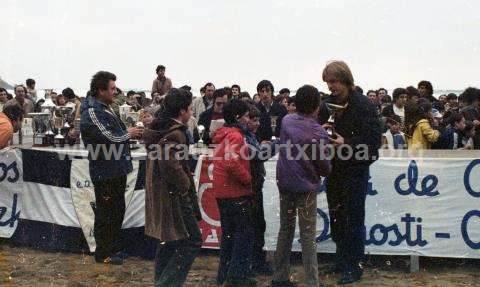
(423, 136)
(106, 139)
(231, 168)
(169, 182)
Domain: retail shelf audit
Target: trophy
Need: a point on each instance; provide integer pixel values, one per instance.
(333, 109)
(124, 110)
(42, 130)
(274, 126)
(201, 130)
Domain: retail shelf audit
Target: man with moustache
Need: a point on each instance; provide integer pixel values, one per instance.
(356, 126)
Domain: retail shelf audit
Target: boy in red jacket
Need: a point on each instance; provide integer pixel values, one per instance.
(232, 188)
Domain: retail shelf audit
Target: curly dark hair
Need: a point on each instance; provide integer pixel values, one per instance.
(100, 81)
(265, 84)
(470, 95)
(414, 112)
(307, 99)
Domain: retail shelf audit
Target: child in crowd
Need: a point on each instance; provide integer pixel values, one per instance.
(394, 138)
(259, 153)
(468, 135)
(291, 105)
(418, 125)
(145, 117)
(453, 135)
(232, 187)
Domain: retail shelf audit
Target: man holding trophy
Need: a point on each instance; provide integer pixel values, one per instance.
(351, 120)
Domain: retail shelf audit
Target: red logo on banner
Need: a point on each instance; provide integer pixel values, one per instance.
(210, 224)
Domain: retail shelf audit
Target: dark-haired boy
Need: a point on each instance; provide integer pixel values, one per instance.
(269, 110)
(171, 204)
(298, 179)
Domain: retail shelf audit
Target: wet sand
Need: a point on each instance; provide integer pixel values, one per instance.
(27, 267)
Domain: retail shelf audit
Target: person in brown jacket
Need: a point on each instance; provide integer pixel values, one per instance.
(171, 203)
(161, 84)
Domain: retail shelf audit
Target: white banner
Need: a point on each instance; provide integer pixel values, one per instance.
(426, 207)
(83, 196)
(11, 185)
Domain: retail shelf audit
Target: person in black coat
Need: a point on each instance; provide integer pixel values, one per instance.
(220, 98)
(357, 127)
(268, 109)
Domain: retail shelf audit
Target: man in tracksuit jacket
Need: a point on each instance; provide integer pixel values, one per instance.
(107, 141)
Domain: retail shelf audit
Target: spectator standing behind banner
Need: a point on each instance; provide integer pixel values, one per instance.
(298, 181)
(452, 137)
(394, 138)
(233, 191)
(31, 92)
(357, 128)
(472, 111)
(171, 203)
(204, 102)
(21, 100)
(3, 98)
(161, 85)
(418, 120)
(269, 109)
(10, 122)
(398, 106)
(220, 98)
(102, 131)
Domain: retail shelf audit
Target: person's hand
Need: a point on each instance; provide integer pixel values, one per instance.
(135, 132)
(327, 126)
(476, 123)
(72, 133)
(337, 140)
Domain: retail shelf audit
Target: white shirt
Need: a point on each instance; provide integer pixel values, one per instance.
(399, 112)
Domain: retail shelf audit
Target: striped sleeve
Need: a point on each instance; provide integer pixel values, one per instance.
(104, 131)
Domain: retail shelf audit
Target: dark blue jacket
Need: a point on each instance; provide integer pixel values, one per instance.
(265, 130)
(103, 132)
(358, 125)
(258, 155)
(447, 139)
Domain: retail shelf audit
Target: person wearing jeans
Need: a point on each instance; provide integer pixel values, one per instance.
(298, 179)
(233, 191)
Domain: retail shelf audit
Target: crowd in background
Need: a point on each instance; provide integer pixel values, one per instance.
(411, 117)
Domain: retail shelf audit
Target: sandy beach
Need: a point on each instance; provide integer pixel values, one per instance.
(21, 266)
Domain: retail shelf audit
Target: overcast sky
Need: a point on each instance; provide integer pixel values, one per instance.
(386, 43)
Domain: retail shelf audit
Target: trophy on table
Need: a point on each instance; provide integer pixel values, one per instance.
(274, 120)
(334, 109)
(42, 129)
(201, 130)
(124, 110)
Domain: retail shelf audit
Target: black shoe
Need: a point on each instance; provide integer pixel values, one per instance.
(114, 260)
(283, 284)
(263, 269)
(350, 277)
(334, 269)
(245, 282)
